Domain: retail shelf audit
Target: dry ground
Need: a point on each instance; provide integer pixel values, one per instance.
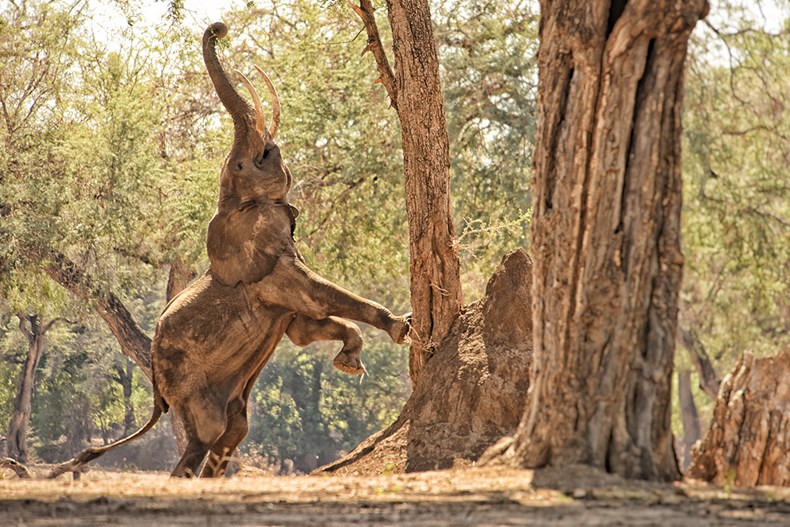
(474, 497)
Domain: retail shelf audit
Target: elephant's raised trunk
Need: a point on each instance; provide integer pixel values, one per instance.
(238, 108)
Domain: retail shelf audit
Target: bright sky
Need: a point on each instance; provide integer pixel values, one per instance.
(201, 11)
(769, 14)
(107, 18)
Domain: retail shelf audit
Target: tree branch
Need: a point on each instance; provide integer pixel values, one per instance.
(19, 469)
(27, 332)
(56, 319)
(134, 343)
(365, 11)
(708, 379)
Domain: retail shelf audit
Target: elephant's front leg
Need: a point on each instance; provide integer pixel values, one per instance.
(297, 288)
(304, 330)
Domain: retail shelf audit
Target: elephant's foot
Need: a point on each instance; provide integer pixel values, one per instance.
(400, 328)
(350, 361)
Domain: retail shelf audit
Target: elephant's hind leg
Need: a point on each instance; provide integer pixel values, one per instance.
(221, 453)
(205, 423)
(304, 330)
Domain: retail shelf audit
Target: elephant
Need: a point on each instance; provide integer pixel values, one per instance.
(215, 336)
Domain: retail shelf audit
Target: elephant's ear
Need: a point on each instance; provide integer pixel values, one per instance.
(245, 244)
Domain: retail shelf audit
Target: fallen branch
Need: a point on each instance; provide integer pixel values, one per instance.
(18, 468)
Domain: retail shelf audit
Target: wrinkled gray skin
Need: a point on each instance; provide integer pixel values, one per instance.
(214, 337)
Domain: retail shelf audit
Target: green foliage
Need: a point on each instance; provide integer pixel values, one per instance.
(61, 405)
(82, 175)
(737, 206)
(736, 214)
(488, 55)
(306, 411)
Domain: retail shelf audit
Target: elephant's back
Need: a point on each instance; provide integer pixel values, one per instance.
(212, 333)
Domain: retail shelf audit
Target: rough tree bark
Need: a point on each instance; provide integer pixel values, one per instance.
(415, 91)
(606, 236)
(19, 425)
(748, 442)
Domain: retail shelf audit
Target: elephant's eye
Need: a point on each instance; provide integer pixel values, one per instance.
(239, 166)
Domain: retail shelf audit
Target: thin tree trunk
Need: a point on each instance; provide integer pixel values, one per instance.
(19, 425)
(124, 375)
(178, 278)
(435, 269)
(688, 410)
(606, 235)
(708, 378)
(415, 92)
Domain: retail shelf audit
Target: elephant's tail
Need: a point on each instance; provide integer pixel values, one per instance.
(89, 454)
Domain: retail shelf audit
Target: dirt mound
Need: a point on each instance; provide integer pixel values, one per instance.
(472, 391)
(748, 442)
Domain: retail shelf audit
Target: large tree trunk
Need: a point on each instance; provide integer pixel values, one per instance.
(606, 235)
(416, 94)
(19, 425)
(748, 442)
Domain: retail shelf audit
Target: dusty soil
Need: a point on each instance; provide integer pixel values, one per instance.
(474, 497)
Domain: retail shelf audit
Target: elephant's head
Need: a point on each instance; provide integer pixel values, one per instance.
(254, 168)
(252, 225)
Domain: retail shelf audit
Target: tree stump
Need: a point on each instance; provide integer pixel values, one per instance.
(748, 442)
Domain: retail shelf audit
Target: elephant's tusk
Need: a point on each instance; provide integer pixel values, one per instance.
(260, 120)
(275, 126)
